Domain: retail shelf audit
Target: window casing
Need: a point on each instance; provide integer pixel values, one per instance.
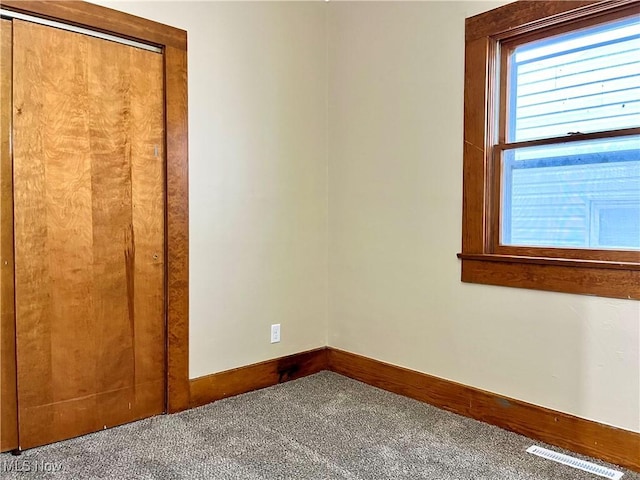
(584, 252)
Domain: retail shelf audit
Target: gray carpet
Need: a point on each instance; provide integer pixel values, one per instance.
(320, 427)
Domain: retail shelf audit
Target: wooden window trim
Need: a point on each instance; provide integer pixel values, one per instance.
(561, 270)
(173, 43)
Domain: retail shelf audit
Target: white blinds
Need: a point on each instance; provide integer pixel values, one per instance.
(585, 81)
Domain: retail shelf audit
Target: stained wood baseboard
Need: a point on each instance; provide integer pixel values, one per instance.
(618, 446)
(259, 375)
(615, 445)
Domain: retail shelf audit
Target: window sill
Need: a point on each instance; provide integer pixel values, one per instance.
(584, 277)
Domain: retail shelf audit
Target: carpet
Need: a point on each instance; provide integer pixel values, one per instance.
(324, 426)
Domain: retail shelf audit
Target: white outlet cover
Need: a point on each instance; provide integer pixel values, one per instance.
(275, 333)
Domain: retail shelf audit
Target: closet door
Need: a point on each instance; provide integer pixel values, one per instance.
(89, 233)
(8, 408)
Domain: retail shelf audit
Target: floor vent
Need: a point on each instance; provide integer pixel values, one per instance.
(575, 462)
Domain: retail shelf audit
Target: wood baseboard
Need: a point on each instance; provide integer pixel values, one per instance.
(618, 446)
(259, 375)
(614, 445)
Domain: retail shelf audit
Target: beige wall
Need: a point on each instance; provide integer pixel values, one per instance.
(395, 190)
(258, 164)
(257, 177)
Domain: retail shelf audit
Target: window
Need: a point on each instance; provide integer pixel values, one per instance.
(552, 148)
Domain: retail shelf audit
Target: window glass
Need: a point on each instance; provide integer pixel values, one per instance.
(578, 194)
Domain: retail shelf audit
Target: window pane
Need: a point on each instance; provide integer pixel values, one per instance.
(579, 194)
(583, 81)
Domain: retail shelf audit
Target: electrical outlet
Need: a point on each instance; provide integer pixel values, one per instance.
(275, 333)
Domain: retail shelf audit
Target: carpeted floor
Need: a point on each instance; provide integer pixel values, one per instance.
(320, 427)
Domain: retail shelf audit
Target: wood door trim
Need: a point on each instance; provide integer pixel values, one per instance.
(173, 41)
(177, 224)
(101, 19)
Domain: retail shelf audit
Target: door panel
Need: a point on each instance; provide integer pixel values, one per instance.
(89, 233)
(8, 405)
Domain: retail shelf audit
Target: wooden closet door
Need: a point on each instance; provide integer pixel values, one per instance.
(8, 406)
(89, 233)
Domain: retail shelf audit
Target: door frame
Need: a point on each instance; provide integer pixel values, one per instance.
(173, 43)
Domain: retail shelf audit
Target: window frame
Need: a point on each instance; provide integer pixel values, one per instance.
(608, 273)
